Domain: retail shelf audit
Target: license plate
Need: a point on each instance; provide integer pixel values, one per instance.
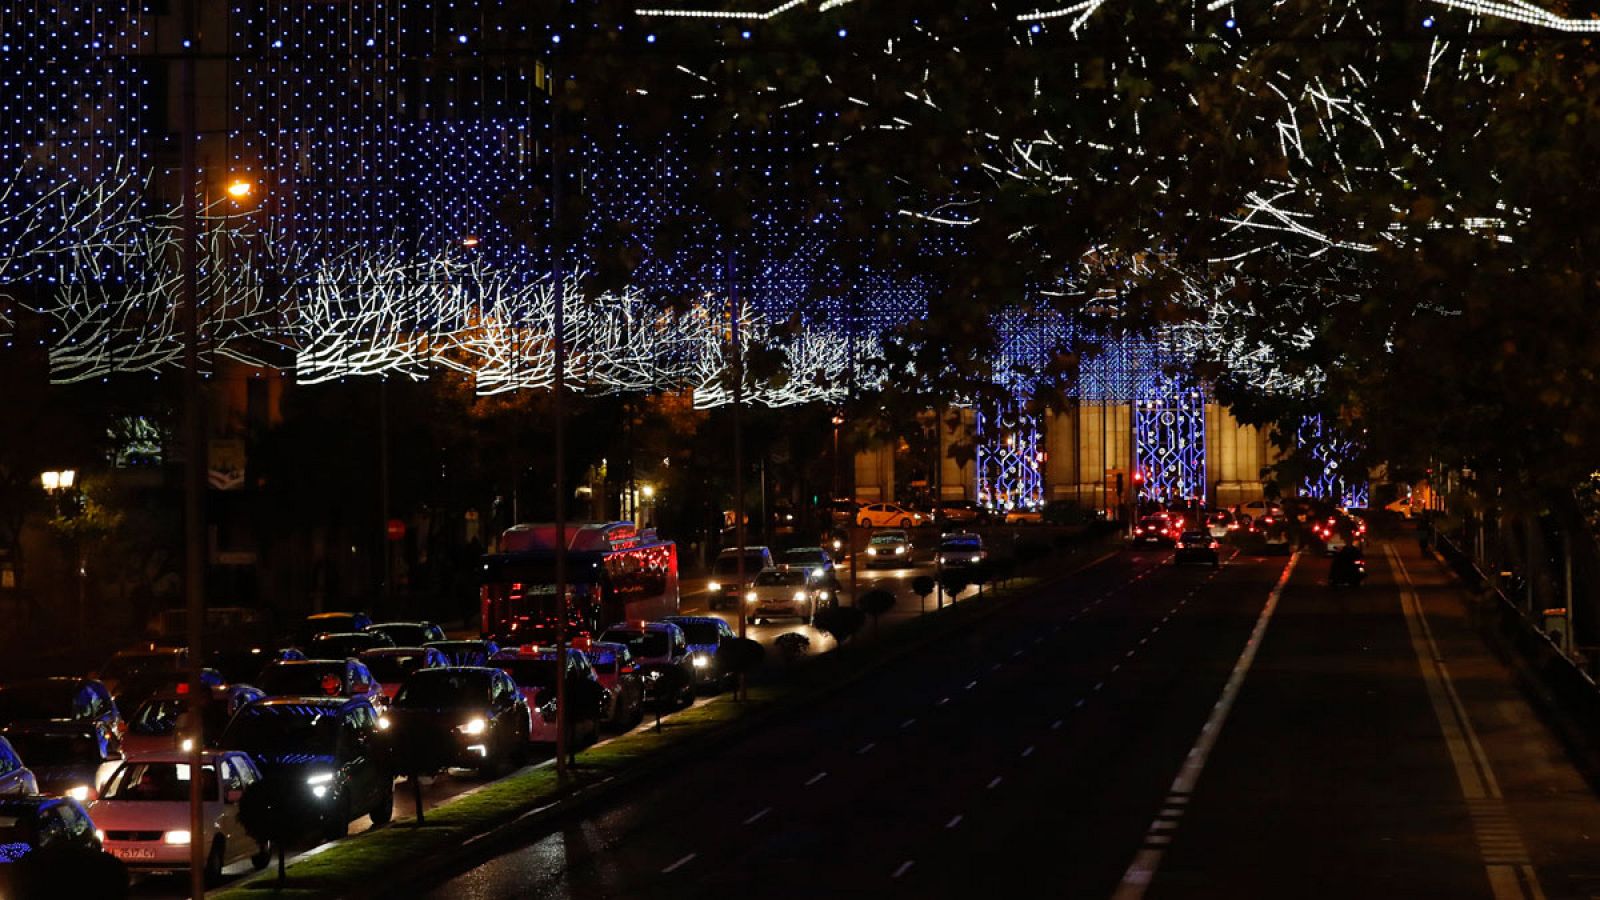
(133, 852)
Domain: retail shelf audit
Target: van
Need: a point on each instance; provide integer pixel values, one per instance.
(726, 587)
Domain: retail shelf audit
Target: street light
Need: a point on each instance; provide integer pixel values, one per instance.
(240, 189)
(838, 419)
(57, 481)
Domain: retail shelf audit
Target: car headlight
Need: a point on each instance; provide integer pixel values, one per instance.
(384, 723)
(474, 726)
(79, 793)
(872, 551)
(714, 586)
(750, 596)
(818, 572)
(100, 835)
(822, 595)
(799, 596)
(178, 838)
(319, 779)
(701, 661)
(899, 550)
(186, 745)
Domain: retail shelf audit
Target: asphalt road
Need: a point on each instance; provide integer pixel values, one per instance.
(1136, 729)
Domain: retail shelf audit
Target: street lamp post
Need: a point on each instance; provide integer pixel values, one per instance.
(838, 420)
(59, 484)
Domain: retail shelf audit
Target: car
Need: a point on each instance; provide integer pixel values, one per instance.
(320, 678)
(61, 699)
(15, 776)
(144, 812)
(534, 671)
(840, 512)
(242, 665)
(958, 512)
(347, 645)
(662, 653)
(960, 550)
(817, 563)
(888, 515)
(390, 666)
(153, 727)
(151, 684)
(327, 744)
(333, 623)
(127, 668)
(1275, 533)
(782, 594)
(1024, 515)
(67, 758)
(465, 652)
(50, 847)
(1196, 546)
(408, 634)
(726, 586)
(1221, 524)
(1258, 509)
(890, 547)
(479, 708)
(706, 635)
(1154, 531)
(618, 673)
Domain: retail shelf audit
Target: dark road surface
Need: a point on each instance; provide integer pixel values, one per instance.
(1114, 737)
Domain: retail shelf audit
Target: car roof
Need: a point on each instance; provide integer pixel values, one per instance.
(793, 550)
(323, 703)
(178, 757)
(377, 652)
(890, 534)
(963, 536)
(323, 616)
(402, 624)
(700, 620)
(26, 802)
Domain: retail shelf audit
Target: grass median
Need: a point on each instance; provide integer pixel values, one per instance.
(352, 867)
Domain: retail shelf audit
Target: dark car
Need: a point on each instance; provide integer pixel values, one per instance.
(960, 550)
(49, 847)
(534, 671)
(479, 708)
(130, 670)
(243, 665)
(82, 700)
(137, 690)
(706, 635)
(408, 634)
(347, 645)
(333, 623)
(958, 512)
(465, 653)
(1153, 531)
(1196, 546)
(66, 758)
(391, 666)
(153, 727)
(326, 744)
(319, 678)
(662, 652)
(619, 674)
(15, 776)
(726, 587)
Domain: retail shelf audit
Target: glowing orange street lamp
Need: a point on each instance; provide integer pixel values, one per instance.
(240, 189)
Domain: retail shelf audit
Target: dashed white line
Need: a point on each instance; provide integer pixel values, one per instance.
(954, 821)
(866, 748)
(1028, 752)
(1116, 667)
(758, 816)
(995, 783)
(971, 685)
(816, 778)
(908, 723)
(677, 865)
(1078, 704)
(942, 701)
(1056, 725)
(1099, 684)
(904, 867)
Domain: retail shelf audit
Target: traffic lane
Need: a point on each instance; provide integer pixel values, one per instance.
(1072, 813)
(846, 749)
(1332, 755)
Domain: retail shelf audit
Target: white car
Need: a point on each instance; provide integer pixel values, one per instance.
(888, 515)
(889, 548)
(782, 593)
(143, 812)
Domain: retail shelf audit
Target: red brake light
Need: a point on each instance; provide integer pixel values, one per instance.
(183, 687)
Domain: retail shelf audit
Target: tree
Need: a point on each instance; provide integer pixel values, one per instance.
(875, 603)
(840, 622)
(792, 645)
(953, 582)
(740, 656)
(922, 586)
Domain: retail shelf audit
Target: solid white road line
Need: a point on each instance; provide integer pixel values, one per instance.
(995, 783)
(1499, 840)
(904, 867)
(954, 821)
(1136, 880)
(677, 865)
(758, 816)
(867, 748)
(816, 778)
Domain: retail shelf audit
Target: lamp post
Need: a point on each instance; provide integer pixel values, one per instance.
(59, 485)
(838, 420)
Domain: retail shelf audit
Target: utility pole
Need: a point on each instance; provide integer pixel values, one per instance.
(738, 439)
(558, 406)
(384, 542)
(194, 443)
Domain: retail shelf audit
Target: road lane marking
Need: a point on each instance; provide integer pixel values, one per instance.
(908, 723)
(1056, 725)
(995, 783)
(816, 778)
(1099, 684)
(1028, 752)
(1079, 703)
(942, 701)
(971, 685)
(677, 865)
(758, 816)
(904, 867)
(1136, 880)
(1499, 841)
(954, 821)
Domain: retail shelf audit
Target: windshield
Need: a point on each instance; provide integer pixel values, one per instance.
(780, 579)
(158, 782)
(122, 668)
(534, 673)
(803, 557)
(42, 700)
(441, 688)
(640, 643)
(729, 564)
(283, 729)
(887, 539)
(158, 717)
(303, 680)
(44, 749)
(961, 544)
(700, 632)
(404, 635)
(394, 667)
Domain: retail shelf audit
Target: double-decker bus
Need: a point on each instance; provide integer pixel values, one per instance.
(615, 571)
